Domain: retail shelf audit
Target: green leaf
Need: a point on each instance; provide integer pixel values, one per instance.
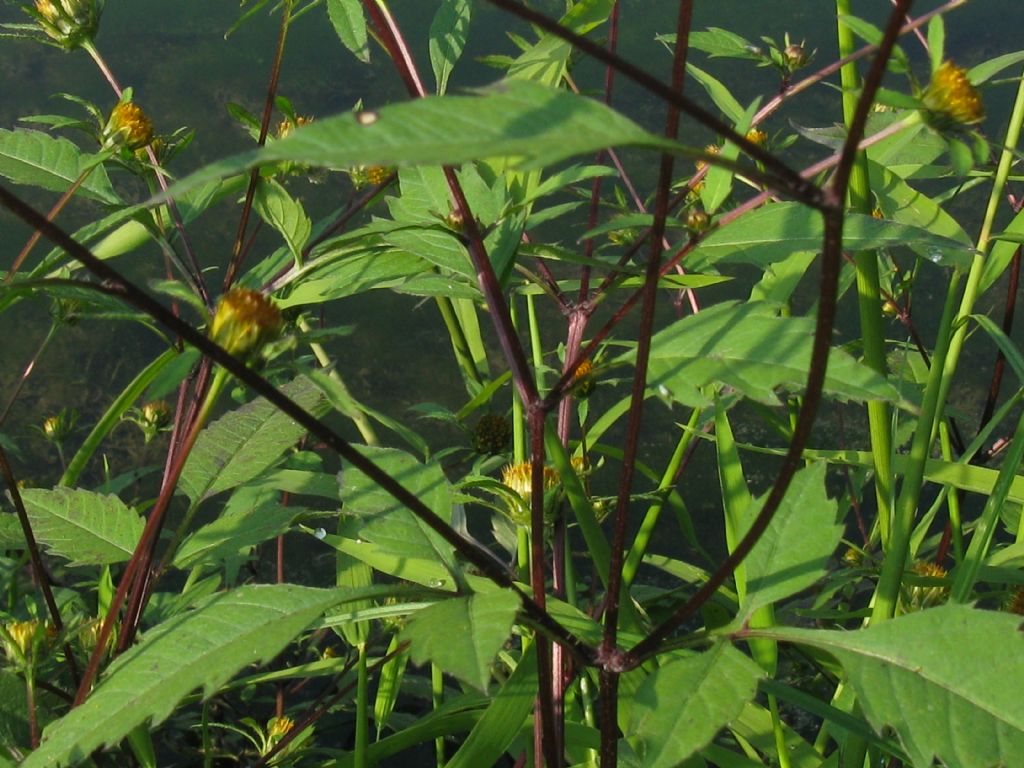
(245, 442)
(462, 635)
(512, 118)
(40, 160)
(285, 214)
(358, 272)
(384, 533)
(747, 347)
(505, 715)
(719, 94)
(228, 534)
(794, 550)
(448, 33)
(685, 702)
(200, 648)
(946, 680)
(350, 25)
(987, 69)
(775, 231)
(1002, 252)
(85, 527)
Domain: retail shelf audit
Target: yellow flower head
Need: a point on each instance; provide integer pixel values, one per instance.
(156, 413)
(279, 726)
(68, 22)
(286, 126)
(584, 380)
(919, 596)
(128, 126)
(754, 136)
(518, 478)
(951, 100)
(24, 635)
(244, 321)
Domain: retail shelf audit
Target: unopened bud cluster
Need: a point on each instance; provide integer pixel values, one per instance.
(69, 23)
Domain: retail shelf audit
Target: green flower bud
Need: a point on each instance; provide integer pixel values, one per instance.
(68, 22)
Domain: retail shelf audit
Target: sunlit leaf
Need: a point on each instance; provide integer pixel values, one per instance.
(245, 442)
(202, 648)
(946, 680)
(40, 160)
(685, 702)
(85, 527)
(747, 347)
(462, 635)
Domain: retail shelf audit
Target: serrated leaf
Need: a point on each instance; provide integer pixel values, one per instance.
(685, 702)
(946, 680)
(512, 118)
(200, 648)
(285, 214)
(40, 160)
(772, 233)
(350, 25)
(448, 33)
(386, 531)
(228, 534)
(747, 347)
(462, 635)
(794, 550)
(356, 273)
(245, 442)
(86, 528)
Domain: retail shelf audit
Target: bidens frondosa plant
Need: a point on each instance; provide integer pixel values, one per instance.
(388, 544)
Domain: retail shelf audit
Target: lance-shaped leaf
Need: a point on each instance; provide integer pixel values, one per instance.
(775, 231)
(385, 534)
(793, 552)
(536, 124)
(200, 648)
(684, 703)
(85, 527)
(462, 635)
(228, 534)
(245, 442)
(40, 160)
(748, 347)
(946, 680)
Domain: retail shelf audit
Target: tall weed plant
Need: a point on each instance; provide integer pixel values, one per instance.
(269, 570)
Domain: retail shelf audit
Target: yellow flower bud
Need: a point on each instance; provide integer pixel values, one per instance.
(951, 100)
(128, 126)
(24, 635)
(244, 321)
(754, 136)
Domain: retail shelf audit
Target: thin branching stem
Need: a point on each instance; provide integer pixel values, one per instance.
(830, 263)
(237, 252)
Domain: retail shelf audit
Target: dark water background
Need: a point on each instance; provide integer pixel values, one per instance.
(174, 54)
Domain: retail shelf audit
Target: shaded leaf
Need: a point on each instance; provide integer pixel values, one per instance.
(40, 160)
(200, 648)
(85, 527)
(685, 702)
(448, 34)
(228, 534)
(946, 680)
(350, 25)
(245, 442)
(284, 213)
(462, 635)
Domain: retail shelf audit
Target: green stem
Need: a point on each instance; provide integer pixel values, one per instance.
(868, 289)
(361, 757)
(463, 354)
(953, 497)
(359, 418)
(636, 553)
(437, 698)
